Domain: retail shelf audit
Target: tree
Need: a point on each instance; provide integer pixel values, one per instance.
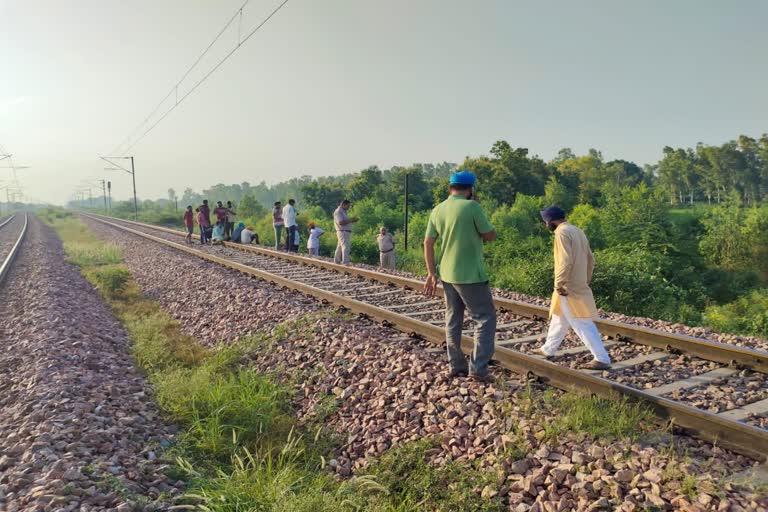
(365, 184)
(326, 196)
(172, 195)
(250, 207)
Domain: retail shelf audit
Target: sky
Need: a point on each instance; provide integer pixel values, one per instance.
(330, 87)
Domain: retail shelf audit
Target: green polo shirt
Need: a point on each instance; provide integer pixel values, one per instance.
(458, 223)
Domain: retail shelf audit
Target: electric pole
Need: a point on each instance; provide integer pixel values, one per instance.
(132, 172)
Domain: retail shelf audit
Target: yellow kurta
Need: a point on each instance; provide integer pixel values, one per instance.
(574, 264)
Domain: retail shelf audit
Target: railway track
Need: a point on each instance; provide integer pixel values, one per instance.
(10, 244)
(662, 369)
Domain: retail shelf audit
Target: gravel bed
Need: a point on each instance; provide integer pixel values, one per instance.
(652, 374)
(760, 421)
(211, 303)
(78, 429)
(377, 391)
(725, 394)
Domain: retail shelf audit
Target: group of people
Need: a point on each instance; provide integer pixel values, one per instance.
(462, 227)
(284, 218)
(222, 230)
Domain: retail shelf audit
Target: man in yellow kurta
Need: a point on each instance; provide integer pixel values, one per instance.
(573, 305)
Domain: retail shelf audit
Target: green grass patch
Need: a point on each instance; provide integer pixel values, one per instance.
(597, 417)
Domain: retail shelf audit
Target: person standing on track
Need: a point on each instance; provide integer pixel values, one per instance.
(189, 223)
(221, 215)
(462, 226)
(313, 242)
(573, 305)
(206, 211)
(343, 223)
(202, 221)
(386, 249)
(289, 217)
(231, 214)
(277, 222)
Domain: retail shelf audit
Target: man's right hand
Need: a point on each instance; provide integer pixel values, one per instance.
(430, 285)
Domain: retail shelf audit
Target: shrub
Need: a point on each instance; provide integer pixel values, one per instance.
(746, 315)
(111, 280)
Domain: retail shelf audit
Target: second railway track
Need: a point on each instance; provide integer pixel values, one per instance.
(662, 369)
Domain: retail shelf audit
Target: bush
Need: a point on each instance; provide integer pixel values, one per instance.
(633, 281)
(111, 280)
(746, 315)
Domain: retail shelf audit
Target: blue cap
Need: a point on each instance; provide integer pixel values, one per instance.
(463, 178)
(552, 213)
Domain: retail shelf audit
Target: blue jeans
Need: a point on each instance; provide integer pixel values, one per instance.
(477, 299)
(203, 235)
(278, 234)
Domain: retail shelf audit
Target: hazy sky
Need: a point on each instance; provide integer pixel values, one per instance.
(332, 86)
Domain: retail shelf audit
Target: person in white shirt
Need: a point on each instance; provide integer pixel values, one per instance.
(386, 249)
(289, 218)
(313, 243)
(343, 223)
(247, 236)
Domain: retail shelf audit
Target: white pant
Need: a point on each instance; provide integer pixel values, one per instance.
(584, 328)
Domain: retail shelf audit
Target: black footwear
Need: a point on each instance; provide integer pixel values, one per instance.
(457, 373)
(480, 378)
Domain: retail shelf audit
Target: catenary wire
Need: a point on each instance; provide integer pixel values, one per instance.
(175, 87)
(205, 77)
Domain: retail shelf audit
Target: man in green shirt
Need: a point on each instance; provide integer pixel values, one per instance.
(462, 226)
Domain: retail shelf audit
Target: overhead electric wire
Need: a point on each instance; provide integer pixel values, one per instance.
(175, 88)
(203, 79)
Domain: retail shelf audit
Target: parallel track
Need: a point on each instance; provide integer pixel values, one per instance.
(395, 301)
(9, 259)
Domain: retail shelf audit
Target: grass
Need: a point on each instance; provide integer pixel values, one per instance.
(597, 417)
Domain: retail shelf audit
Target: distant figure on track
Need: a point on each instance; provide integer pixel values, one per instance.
(462, 226)
(278, 222)
(237, 233)
(221, 215)
(343, 223)
(386, 249)
(202, 221)
(231, 215)
(189, 223)
(313, 242)
(206, 211)
(573, 305)
(289, 217)
(248, 236)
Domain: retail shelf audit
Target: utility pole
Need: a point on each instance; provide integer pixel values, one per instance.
(104, 194)
(132, 172)
(109, 191)
(405, 213)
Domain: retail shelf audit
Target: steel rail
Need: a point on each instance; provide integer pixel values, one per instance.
(6, 266)
(730, 434)
(731, 355)
(6, 221)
